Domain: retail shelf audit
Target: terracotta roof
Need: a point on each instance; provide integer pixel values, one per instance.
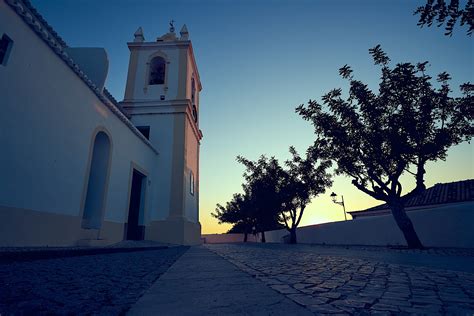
(441, 193)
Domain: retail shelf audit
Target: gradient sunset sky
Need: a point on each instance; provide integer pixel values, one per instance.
(258, 60)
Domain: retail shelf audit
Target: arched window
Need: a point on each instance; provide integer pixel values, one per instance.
(191, 183)
(195, 113)
(157, 71)
(193, 99)
(193, 91)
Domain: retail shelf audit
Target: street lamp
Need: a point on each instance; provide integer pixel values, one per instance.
(333, 197)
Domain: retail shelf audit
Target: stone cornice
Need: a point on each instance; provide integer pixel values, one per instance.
(162, 108)
(37, 23)
(177, 43)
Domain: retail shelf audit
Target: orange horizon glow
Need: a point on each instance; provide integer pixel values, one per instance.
(457, 167)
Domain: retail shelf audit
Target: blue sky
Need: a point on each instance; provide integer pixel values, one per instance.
(258, 60)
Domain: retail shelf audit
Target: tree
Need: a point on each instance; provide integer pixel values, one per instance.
(263, 185)
(280, 193)
(375, 138)
(304, 179)
(239, 212)
(437, 11)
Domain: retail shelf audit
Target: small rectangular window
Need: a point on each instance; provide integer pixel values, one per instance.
(191, 183)
(145, 130)
(6, 44)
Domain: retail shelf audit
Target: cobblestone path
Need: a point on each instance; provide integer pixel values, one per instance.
(327, 284)
(105, 284)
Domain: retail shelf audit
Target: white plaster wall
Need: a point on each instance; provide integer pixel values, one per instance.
(162, 136)
(443, 226)
(48, 116)
(227, 238)
(153, 92)
(191, 165)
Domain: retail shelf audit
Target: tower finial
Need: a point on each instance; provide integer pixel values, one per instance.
(184, 33)
(172, 26)
(139, 35)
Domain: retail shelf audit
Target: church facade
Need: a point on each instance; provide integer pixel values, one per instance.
(76, 166)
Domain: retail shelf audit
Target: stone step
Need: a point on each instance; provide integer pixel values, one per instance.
(94, 242)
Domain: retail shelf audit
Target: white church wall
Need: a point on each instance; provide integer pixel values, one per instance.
(191, 153)
(48, 119)
(162, 135)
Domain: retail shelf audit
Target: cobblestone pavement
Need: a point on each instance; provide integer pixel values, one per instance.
(464, 252)
(327, 284)
(98, 284)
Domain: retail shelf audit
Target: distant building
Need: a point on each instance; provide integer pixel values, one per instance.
(76, 166)
(440, 195)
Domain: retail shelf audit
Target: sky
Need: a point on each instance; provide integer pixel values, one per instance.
(258, 60)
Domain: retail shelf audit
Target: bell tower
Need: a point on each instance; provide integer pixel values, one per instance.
(162, 101)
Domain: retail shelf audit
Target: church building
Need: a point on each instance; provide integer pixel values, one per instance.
(78, 168)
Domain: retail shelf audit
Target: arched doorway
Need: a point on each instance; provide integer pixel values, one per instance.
(97, 183)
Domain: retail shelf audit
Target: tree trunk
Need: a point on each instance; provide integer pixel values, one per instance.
(263, 236)
(420, 178)
(293, 235)
(406, 226)
(245, 236)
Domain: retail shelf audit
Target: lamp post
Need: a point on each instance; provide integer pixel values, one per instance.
(333, 197)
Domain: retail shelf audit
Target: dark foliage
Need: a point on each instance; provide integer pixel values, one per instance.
(375, 137)
(282, 194)
(264, 180)
(239, 212)
(305, 178)
(439, 12)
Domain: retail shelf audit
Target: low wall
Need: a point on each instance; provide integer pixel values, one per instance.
(226, 238)
(450, 225)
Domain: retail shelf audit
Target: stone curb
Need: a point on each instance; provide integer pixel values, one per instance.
(31, 255)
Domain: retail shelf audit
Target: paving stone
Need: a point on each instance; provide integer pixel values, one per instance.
(350, 303)
(324, 309)
(425, 301)
(363, 299)
(300, 286)
(458, 298)
(284, 289)
(317, 289)
(395, 297)
(330, 295)
(385, 307)
(306, 300)
(395, 302)
(370, 294)
(380, 313)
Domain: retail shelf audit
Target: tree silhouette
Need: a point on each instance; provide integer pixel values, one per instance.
(264, 180)
(375, 138)
(304, 179)
(239, 212)
(439, 12)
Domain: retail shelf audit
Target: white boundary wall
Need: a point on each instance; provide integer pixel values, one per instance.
(449, 225)
(226, 238)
